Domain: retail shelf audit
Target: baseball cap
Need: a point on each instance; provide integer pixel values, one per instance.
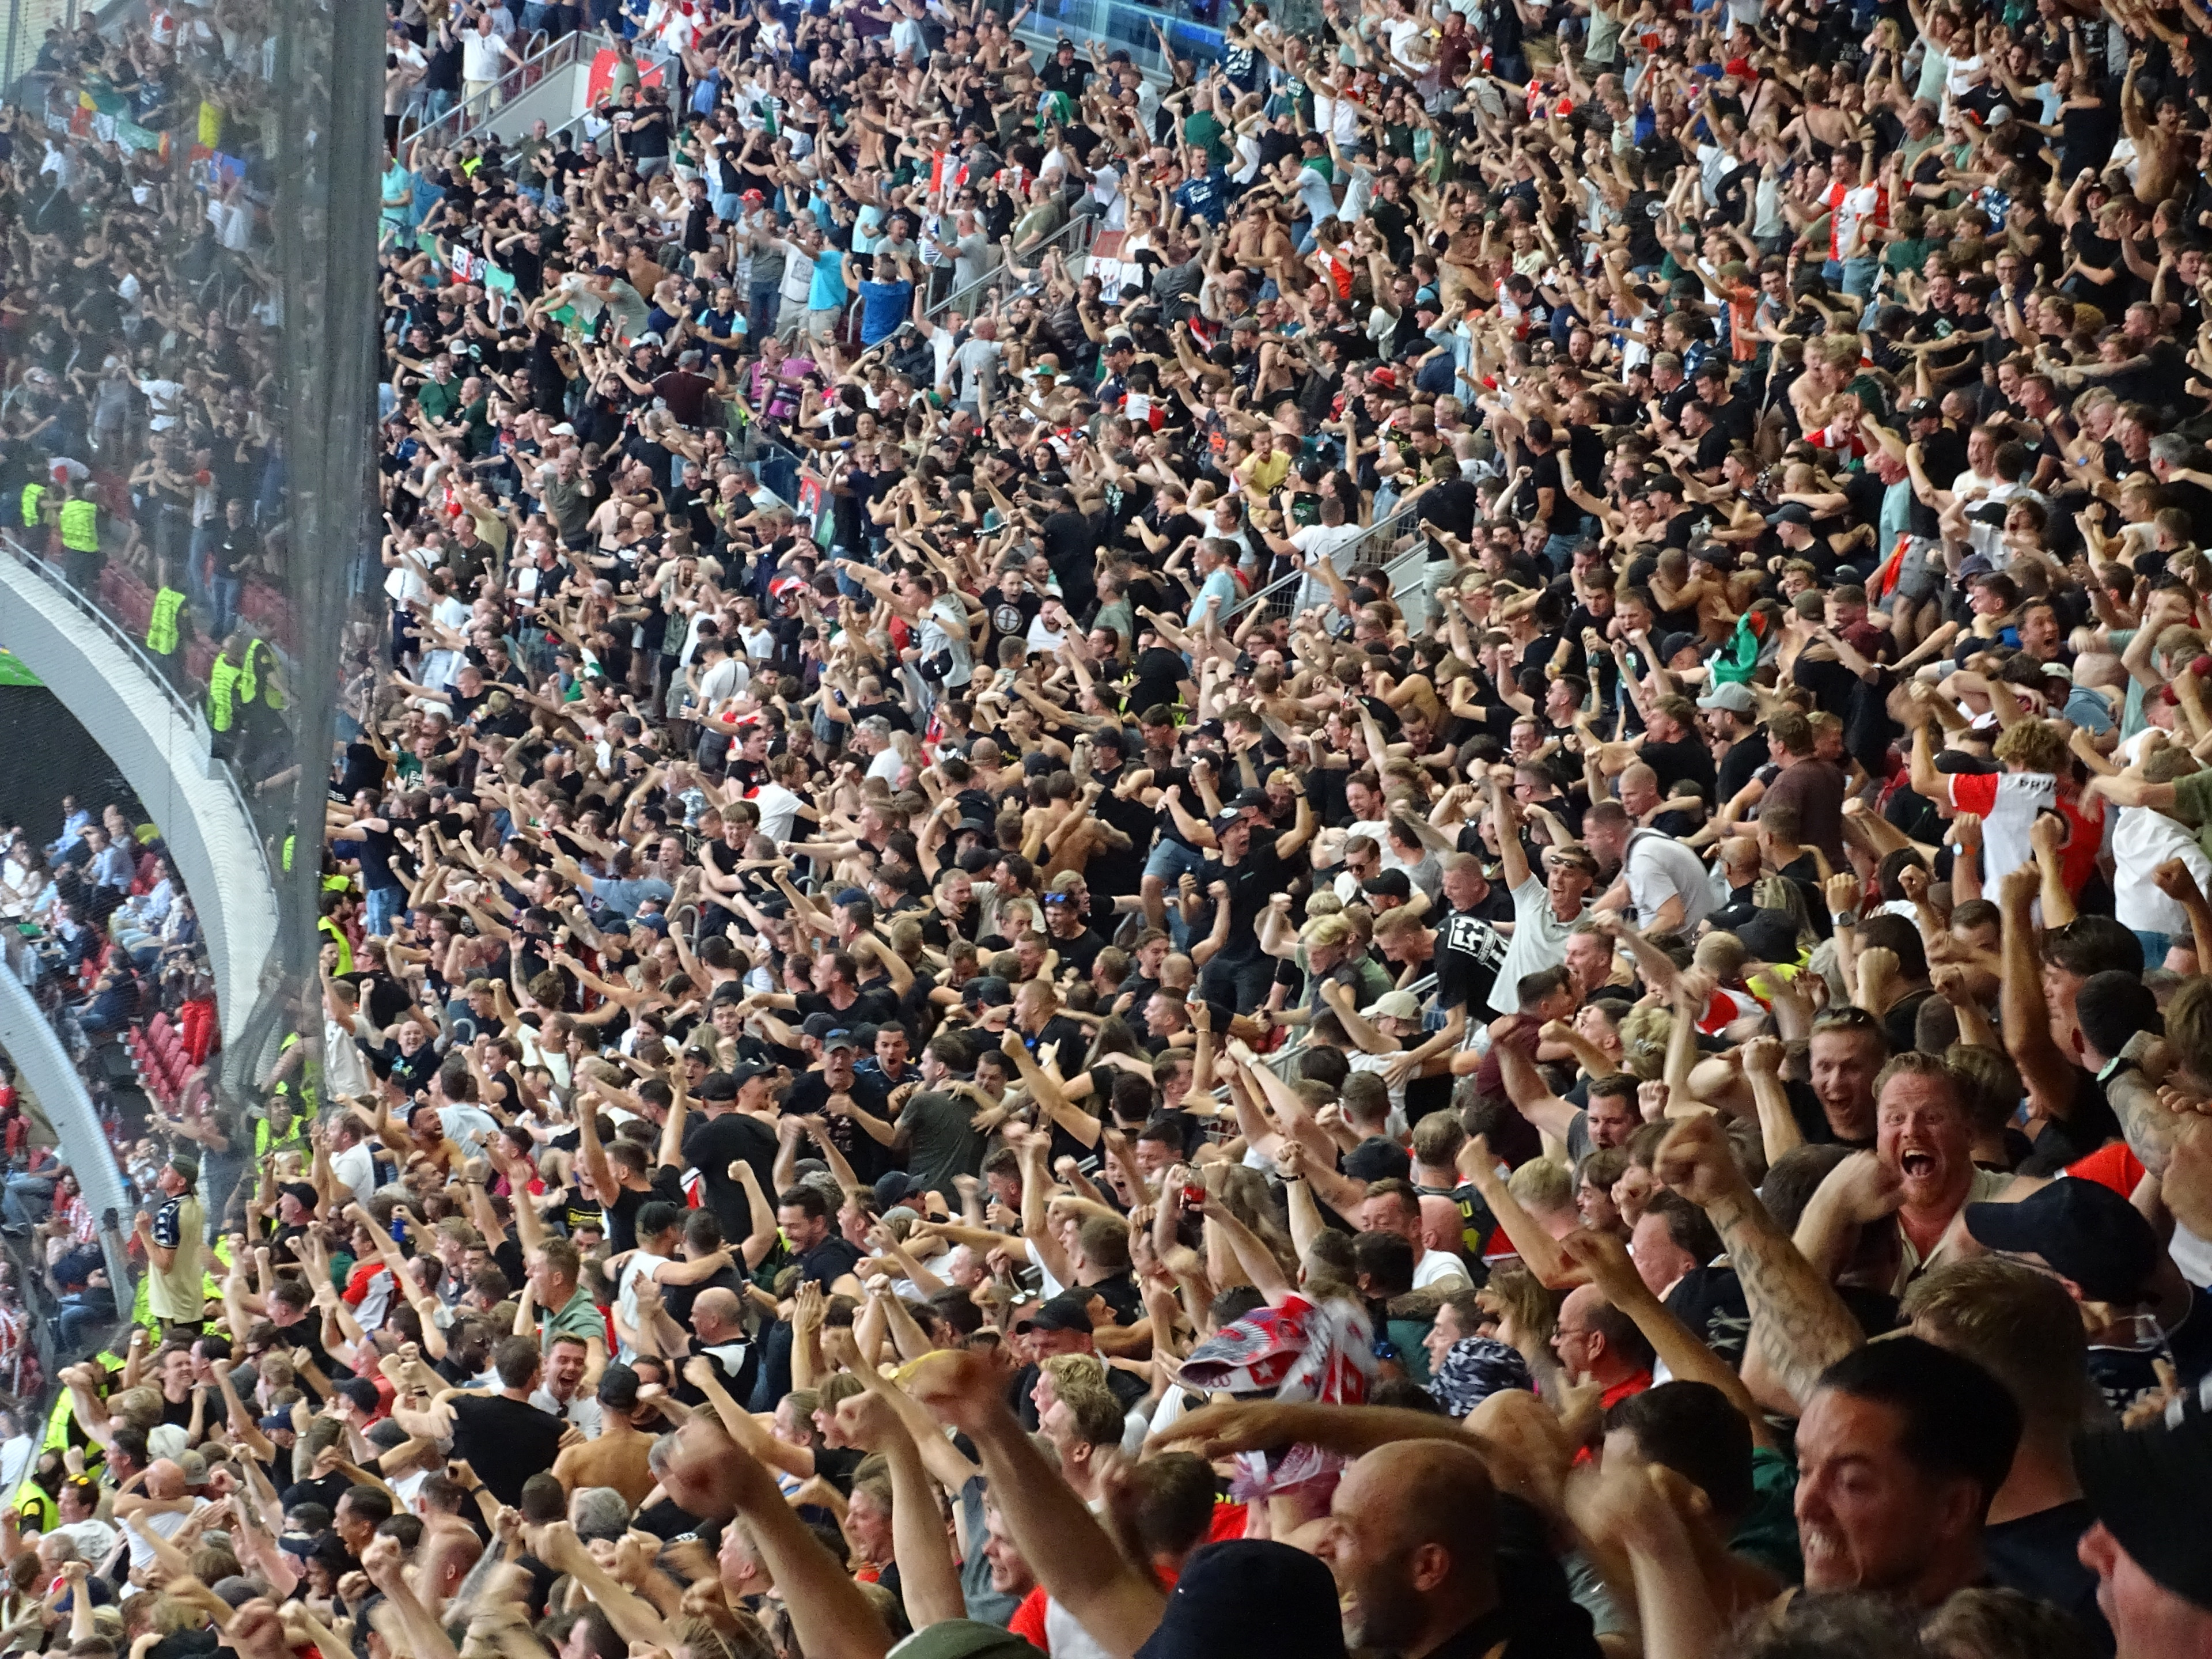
(1730, 694)
(1068, 1311)
(1791, 512)
(718, 1085)
(963, 1639)
(818, 1026)
(1395, 1005)
(893, 1185)
(1249, 1597)
(2152, 1489)
(742, 1073)
(987, 990)
(1227, 821)
(1921, 408)
(1249, 797)
(1390, 884)
(301, 1192)
(1377, 1158)
(840, 1038)
(2083, 1229)
(850, 896)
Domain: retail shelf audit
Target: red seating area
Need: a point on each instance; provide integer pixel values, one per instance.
(157, 1052)
(127, 598)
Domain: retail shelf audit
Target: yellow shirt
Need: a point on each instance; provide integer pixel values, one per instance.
(1261, 474)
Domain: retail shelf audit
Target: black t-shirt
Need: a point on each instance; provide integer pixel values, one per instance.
(1160, 672)
(621, 1223)
(505, 1441)
(1673, 762)
(711, 1146)
(1736, 767)
(1450, 506)
(1252, 881)
(869, 1156)
(1469, 952)
(830, 1260)
(2036, 1556)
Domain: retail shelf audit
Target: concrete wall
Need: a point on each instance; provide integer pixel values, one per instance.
(164, 755)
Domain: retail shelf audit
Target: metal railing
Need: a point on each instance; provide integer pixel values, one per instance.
(1281, 1061)
(1279, 597)
(1072, 241)
(541, 58)
(89, 606)
(218, 770)
(107, 1187)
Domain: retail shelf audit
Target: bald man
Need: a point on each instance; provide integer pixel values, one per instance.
(161, 1509)
(718, 1325)
(1412, 1541)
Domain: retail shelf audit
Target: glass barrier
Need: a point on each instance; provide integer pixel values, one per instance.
(210, 501)
(64, 1257)
(1194, 31)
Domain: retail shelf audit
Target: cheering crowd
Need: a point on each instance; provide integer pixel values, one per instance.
(1442, 894)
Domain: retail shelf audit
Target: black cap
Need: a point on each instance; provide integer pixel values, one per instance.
(893, 1186)
(1791, 512)
(1068, 1311)
(2083, 1229)
(1389, 883)
(2152, 1489)
(1921, 408)
(1249, 797)
(819, 1026)
(742, 1073)
(987, 990)
(1378, 1158)
(1249, 1597)
(718, 1085)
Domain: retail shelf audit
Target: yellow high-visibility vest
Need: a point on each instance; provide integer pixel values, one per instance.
(161, 625)
(247, 685)
(271, 695)
(222, 677)
(34, 497)
(81, 526)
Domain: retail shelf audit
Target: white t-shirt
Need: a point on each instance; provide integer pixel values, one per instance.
(640, 1265)
(779, 810)
(2145, 839)
(1539, 941)
(1438, 1267)
(167, 1525)
(1658, 868)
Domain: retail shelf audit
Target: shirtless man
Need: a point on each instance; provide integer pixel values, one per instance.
(618, 1458)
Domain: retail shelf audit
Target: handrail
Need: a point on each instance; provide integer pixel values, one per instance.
(1278, 1060)
(51, 574)
(1084, 225)
(528, 73)
(1274, 595)
(216, 770)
